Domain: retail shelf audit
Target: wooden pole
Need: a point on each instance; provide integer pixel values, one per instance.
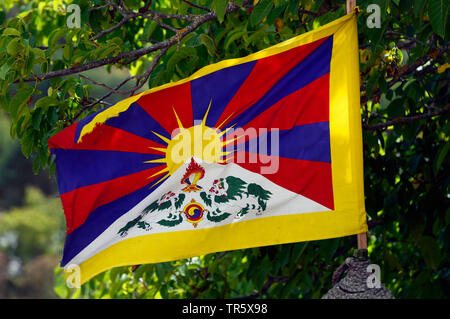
(351, 4)
(362, 238)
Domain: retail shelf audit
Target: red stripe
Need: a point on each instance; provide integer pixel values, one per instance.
(307, 178)
(104, 138)
(265, 74)
(308, 105)
(64, 139)
(80, 202)
(160, 106)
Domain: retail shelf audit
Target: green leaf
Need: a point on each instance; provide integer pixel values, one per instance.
(14, 47)
(20, 99)
(20, 125)
(27, 145)
(109, 50)
(328, 247)
(418, 7)
(437, 12)
(55, 36)
(442, 154)
(395, 108)
(221, 7)
(46, 102)
(192, 40)
(257, 35)
(208, 43)
(261, 10)
(29, 64)
(3, 70)
(235, 36)
(11, 31)
(179, 56)
(40, 54)
(67, 52)
(36, 165)
(430, 251)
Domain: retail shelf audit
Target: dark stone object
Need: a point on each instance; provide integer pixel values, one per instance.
(355, 284)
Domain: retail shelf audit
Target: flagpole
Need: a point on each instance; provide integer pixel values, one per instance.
(362, 237)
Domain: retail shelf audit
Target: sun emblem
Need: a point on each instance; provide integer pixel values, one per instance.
(193, 212)
(200, 141)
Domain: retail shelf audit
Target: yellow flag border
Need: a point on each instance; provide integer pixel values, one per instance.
(349, 216)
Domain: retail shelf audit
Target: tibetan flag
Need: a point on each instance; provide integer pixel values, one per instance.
(260, 150)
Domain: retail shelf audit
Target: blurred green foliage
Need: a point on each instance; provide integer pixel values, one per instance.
(404, 81)
(16, 171)
(36, 226)
(6, 145)
(31, 238)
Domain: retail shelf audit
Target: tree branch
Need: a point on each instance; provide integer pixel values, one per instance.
(115, 27)
(405, 120)
(196, 5)
(133, 55)
(112, 90)
(99, 7)
(141, 80)
(416, 69)
(401, 35)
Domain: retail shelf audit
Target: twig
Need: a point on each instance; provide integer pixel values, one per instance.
(196, 5)
(150, 14)
(142, 78)
(115, 27)
(412, 70)
(128, 55)
(147, 5)
(201, 19)
(405, 120)
(99, 7)
(164, 25)
(103, 85)
(404, 36)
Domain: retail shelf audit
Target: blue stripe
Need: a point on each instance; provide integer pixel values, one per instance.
(134, 120)
(99, 220)
(309, 69)
(78, 168)
(137, 121)
(310, 142)
(218, 87)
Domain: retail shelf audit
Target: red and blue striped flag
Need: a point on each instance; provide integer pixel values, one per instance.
(260, 150)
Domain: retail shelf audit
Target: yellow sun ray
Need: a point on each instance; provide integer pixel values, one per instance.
(206, 114)
(160, 180)
(224, 160)
(180, 125)
(224, 121)
(166, 169)
(226, 130)
(161, 149)
(158, 160)
(165, 139)
(231, 141)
